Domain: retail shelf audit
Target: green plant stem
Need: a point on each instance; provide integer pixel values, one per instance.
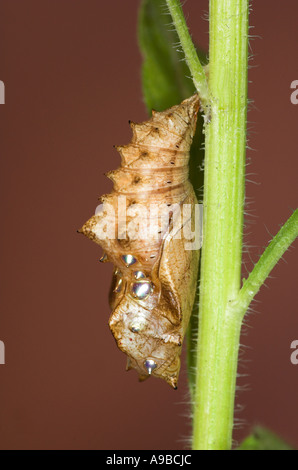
(222, 303)
(219, 329)
(195, 66)
(273, 253)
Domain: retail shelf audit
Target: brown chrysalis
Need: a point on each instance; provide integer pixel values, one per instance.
(143, 228)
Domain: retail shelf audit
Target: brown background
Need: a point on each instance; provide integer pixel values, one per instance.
(72, 75)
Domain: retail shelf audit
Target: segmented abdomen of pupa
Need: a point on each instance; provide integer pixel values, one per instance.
(142, 234)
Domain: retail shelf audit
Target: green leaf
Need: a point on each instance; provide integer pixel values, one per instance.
(263, 439)
(165, 74)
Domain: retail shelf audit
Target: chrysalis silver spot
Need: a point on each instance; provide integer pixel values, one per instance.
(135, 328)
(150, 365)
(118, 285)
(129, 260)
(139, 275)
(141, 289)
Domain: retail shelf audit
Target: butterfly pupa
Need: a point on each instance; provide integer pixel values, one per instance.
(154, 280)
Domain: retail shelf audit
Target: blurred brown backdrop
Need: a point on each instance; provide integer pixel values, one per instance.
(72, 74)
